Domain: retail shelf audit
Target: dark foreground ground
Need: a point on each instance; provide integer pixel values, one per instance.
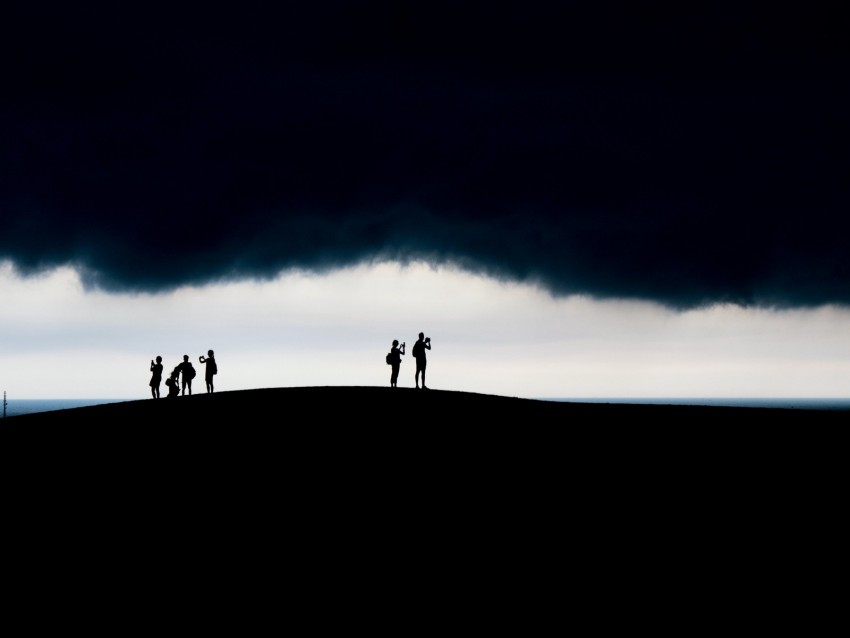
(374, 493)
(313, 410)
(359, 426)
(283, 443)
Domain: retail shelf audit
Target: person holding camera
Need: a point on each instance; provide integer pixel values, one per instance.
(211, 368)
(419, 349)
(156, 377)
(395, 362)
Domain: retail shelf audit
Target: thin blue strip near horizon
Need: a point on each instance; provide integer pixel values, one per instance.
(804, 403)
(15, 407)
(26, 406)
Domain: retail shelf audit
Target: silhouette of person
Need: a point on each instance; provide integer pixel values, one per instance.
(156, 377)
(419, 349)
(188, 371)
(211, 368)
(173, 383)
(395, 359)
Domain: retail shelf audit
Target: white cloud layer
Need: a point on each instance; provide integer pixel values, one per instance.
(59, 341)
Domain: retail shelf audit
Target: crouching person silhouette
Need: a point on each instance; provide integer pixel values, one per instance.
(173, 383)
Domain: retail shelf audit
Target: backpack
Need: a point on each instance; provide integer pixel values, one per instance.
(389, 358)
(191, 371)
(213, 367)
(417, 349)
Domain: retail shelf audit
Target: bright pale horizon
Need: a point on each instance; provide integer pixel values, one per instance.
(305, 329)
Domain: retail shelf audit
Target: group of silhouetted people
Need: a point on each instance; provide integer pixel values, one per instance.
(181, 376)
(180, 379)
(418, 352)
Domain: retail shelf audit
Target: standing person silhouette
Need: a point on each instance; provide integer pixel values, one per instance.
(211, 368)
(419, 349)
(395, 362)
(188, 371)
(156, 377)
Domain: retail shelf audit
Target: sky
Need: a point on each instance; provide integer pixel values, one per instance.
(605, 199)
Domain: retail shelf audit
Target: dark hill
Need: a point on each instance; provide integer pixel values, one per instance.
(361, 425)
(330, 480)
(332, 406)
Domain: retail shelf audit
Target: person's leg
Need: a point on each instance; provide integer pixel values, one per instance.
(424, 365)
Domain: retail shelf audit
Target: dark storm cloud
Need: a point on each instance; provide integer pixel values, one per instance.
(681, 154)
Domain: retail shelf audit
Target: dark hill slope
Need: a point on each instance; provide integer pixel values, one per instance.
(370, 406)
(360, 425)
(316, 482)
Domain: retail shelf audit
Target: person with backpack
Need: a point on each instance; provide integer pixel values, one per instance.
(394, 359)
(188, 373)
(211, 369)
(419, 349)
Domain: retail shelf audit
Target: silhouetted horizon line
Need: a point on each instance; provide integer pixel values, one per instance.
(819, 402)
